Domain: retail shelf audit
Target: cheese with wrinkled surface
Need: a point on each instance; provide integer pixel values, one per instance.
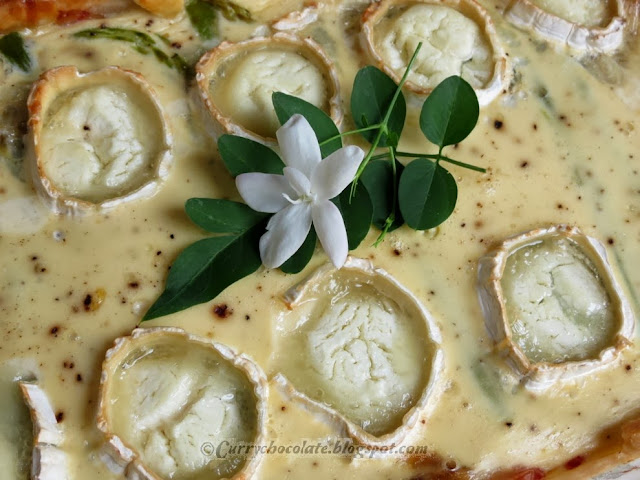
(244, 93)
(95, 145)
(561, 147)
(557, 306)
(452, 44)
(175, 398)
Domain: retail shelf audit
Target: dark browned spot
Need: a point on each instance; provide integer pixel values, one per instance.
(86, 128)
(509, 424)
(610, 241)
(222, 310)
(134, 284)
(396, 252)
(575, 462)
(60, 416)
(54, 330)
(498, 124)
(78, 378)
(627, 367)
(247, 317)
(524, 164)
(283, 408)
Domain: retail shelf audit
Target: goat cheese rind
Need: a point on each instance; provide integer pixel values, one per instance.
(168, 399)
(453, 44)
(367, 355)
(95, 140)
(236, 81)
(590, 13)
(552, 305)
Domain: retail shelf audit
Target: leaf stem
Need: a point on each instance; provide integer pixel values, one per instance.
(392, 215)
(441, 157)
(350, 132)
(383, 125)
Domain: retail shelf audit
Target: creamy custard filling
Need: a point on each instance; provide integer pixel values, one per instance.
(244, 92)
(98, 143)
(453, 44)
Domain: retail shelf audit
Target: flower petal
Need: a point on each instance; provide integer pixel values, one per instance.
(286, 232)
(263, 191)
(299, 145)
(298, 181)
(336, 171)
(331, 231)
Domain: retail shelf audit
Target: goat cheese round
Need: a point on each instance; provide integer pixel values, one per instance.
(557, 305)
(453, 44)
(96, 143)
(245, 93)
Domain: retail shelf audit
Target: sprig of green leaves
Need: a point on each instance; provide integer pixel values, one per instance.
(384, 192)
(12, 48)
(142, 43)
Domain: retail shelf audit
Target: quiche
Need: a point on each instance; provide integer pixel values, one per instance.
(502, 344)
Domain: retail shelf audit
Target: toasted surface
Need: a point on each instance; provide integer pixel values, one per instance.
(165, 8)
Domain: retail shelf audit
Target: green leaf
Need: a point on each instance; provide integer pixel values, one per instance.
(13, 49)
(450, 112)
(372, 94)
(222, 216)
(204, 269)
(243, 155)
(427, 194)
(378, 180)
(204, 18)
(357, 212)
(287, 105)
(301, 258)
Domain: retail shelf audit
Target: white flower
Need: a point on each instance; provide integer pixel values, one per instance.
(302, 195)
